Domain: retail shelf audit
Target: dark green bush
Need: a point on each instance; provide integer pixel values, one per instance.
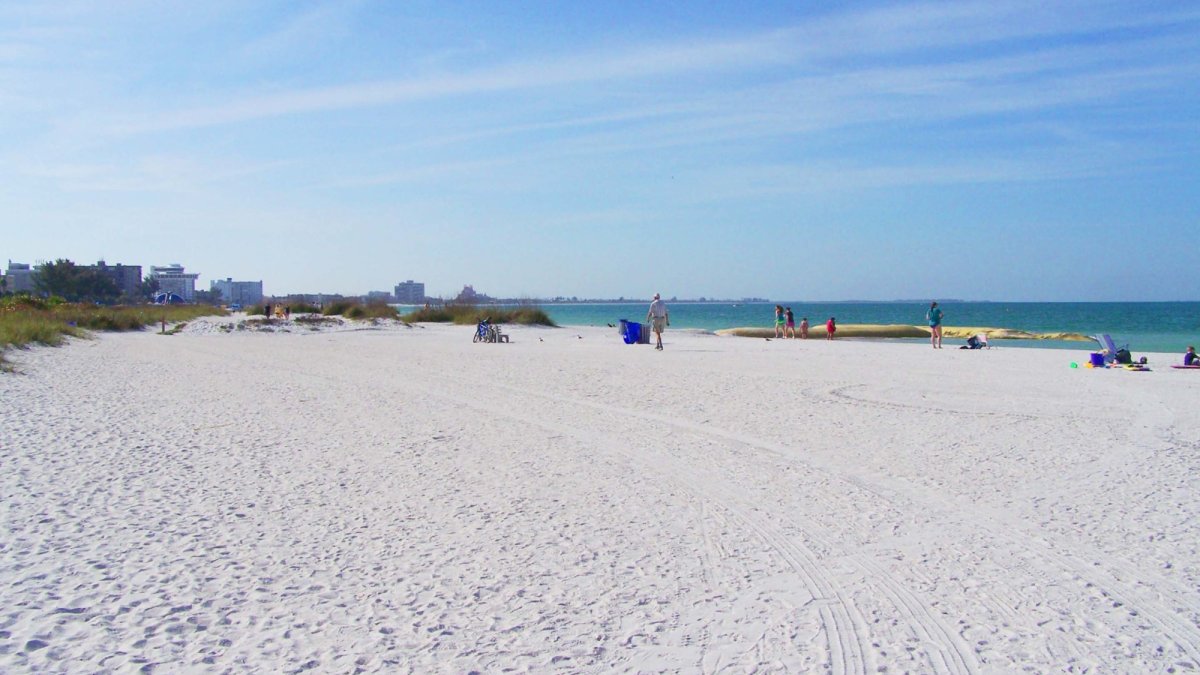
(337, 307)
(527, 315)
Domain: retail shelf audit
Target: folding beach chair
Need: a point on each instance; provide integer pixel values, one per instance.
(1109, 348)
(977, 341)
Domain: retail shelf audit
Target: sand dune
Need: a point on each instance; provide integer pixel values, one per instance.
(399, 499)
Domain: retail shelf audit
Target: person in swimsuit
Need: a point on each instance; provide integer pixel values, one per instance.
(1190, 358)
(934, 315)
(830, 328)
(791, 323)
(804, 328)
(778, 321)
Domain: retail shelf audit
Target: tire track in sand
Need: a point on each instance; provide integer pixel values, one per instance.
(1108, 579)
(846, 626)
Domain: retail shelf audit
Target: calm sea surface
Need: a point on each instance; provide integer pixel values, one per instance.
(1144, 326)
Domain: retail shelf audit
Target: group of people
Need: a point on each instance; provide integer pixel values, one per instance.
(785, 323)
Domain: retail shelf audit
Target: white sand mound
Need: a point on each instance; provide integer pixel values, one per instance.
(402, 500)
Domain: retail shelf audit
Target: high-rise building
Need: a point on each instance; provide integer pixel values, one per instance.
(127, 277)
(410, 292)
(172, 279)
(244, 293)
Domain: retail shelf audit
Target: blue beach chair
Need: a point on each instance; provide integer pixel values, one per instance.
(1110, 349)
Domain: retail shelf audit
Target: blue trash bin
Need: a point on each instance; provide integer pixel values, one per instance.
(631, 332)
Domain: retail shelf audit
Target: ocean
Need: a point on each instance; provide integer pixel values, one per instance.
(1167, 327)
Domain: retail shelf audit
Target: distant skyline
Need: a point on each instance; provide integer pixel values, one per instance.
(1020, 151)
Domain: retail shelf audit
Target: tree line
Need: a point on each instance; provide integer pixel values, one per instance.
(84, 283)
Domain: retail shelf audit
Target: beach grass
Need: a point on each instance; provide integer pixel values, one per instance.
(26, 320)
(526, 315)
(374, 310)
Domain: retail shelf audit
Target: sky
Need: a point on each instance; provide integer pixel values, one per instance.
(810, 151)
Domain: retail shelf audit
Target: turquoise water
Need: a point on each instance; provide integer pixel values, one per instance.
(1144, 326)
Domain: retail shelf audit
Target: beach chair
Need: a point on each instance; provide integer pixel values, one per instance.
(482, 332)
(978, 341)
(1109, 348)
(485, 331)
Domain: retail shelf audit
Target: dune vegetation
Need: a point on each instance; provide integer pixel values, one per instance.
(26, 320)
(527, 315)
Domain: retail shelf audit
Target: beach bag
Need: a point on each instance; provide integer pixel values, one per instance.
(1123, 356)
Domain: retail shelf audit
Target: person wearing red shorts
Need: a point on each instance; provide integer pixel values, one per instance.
(830, 328)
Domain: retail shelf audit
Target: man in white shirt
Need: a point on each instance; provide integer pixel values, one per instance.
(658, 318)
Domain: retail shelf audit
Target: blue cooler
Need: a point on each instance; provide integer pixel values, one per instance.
(1097, 360)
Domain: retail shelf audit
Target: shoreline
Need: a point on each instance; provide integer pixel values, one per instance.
(912, 331)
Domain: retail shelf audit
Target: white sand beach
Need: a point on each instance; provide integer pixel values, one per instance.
(398, 499)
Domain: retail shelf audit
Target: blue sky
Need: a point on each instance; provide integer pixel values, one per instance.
(1008, 151)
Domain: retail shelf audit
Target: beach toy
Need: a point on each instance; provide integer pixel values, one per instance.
(1074, 365)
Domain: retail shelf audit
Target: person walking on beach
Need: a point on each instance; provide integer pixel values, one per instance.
(791, 323)
(658, 318)
(934, 315)
(778, 321)
(804, 328)
(830, 328)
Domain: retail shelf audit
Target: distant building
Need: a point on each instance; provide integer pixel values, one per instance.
(172, 279)
(410, 293)
(19, 277)
(379, 296)
(468, 295)
(127, 277)
(244, 293)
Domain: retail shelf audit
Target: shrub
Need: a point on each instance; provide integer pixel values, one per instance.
(527, 315)
(339, 307)
(375, 310)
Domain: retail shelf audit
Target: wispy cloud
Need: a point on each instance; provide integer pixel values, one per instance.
(153, 173)
(299, 32)
(881, 69)
(574, 70)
